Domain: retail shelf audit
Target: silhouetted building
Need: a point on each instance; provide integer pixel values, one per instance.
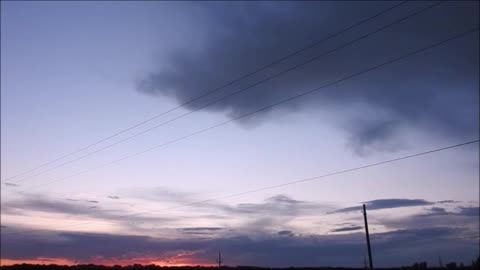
(420, 265)
(452, 265)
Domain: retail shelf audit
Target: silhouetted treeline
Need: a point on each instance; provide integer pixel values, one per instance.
(417, 266)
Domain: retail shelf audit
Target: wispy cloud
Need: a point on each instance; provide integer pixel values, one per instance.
(448, 201)
(461, 211)
(200, 229)
(88, 201)
(31, 204)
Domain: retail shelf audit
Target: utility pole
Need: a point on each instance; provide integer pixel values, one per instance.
(368, 237)
(219, 260)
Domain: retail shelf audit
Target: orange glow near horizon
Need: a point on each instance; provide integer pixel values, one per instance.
(180, 259)
(40, 260)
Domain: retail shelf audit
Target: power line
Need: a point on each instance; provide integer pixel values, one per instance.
(463, 34)
(197, 98)
(271, 187)
(310, 60)
(216, 89)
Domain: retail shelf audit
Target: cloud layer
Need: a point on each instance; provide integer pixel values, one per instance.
(390, 249)
(280, 231)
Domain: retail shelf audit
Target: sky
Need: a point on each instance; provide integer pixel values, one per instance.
(74, 73)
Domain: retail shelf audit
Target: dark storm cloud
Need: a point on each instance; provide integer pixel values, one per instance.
(391, 248)
(385, 204)
(435, 91)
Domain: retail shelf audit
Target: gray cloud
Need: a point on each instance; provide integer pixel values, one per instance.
(438, 210)
(465, 217)
(113, 197)
(88, 201)
(385, 204)
(347, 229)
(37, 203)
(269, 216)
(286, 233)
(254, 218)
(278, 205)
(166, 195)
(42, 204)
(201, 229)
(262, 237)
(470, 211)
(435, 92)
(10, 184)
(448, 201)
(464, 211)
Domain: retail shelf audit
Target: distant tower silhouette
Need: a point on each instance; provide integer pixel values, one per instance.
(219, 260)
(440, 263)
(365, 262)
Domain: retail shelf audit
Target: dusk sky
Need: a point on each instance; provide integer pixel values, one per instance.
(76, 73)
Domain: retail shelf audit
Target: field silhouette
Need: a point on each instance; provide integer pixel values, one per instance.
(475, 265)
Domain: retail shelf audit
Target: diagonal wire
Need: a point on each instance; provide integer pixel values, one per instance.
(216, 89)
(315, 58)
(270, 187)
(375, 67)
